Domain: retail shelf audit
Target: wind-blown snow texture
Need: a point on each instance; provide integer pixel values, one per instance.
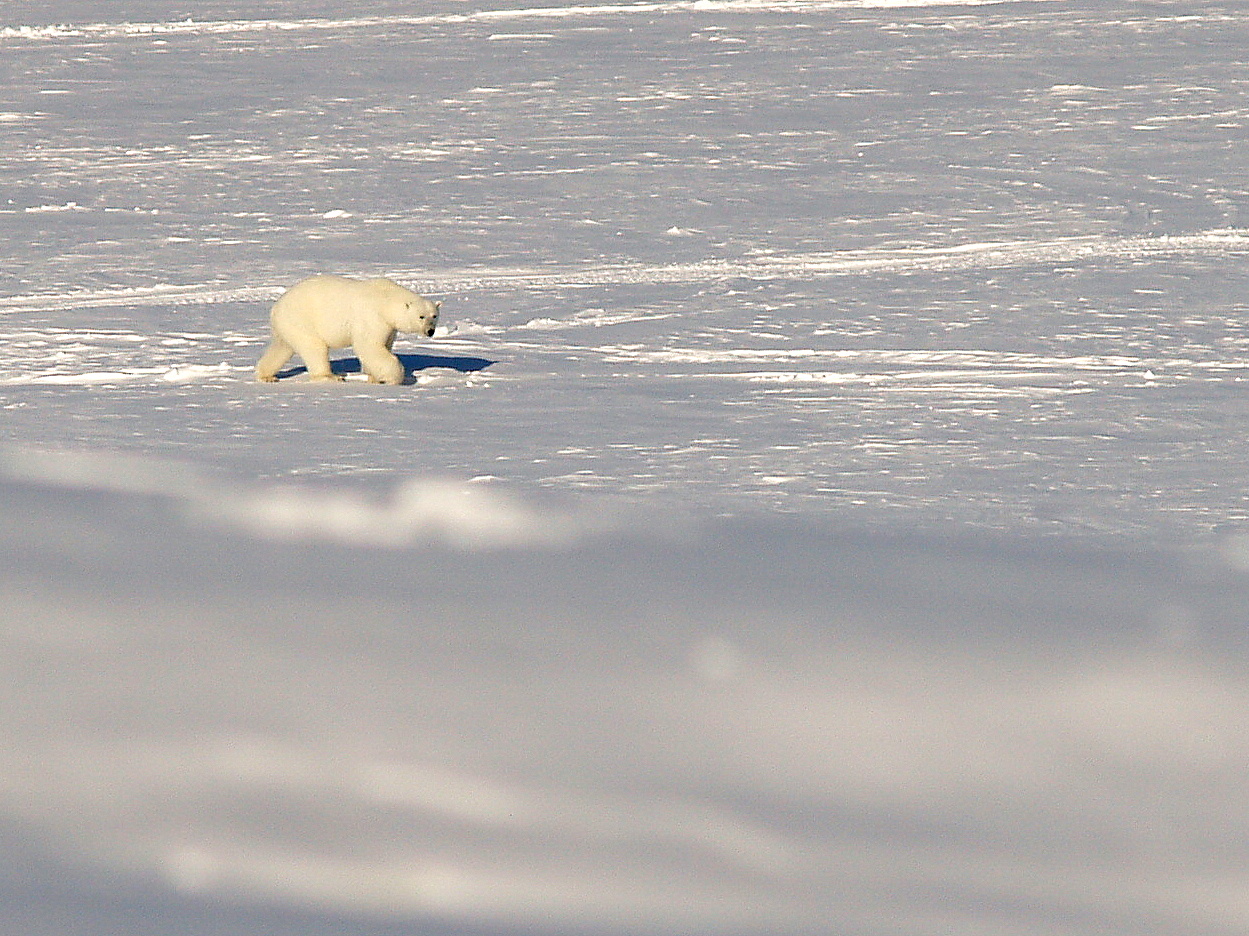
(822, 509)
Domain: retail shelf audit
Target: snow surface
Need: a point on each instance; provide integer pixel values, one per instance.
(821, 510)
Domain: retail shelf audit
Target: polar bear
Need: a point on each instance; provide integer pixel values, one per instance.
(324, 312)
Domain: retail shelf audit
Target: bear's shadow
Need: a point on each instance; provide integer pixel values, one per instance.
(412, 365)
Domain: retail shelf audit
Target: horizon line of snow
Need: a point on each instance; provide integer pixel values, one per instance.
(988, 255)
(218, 27)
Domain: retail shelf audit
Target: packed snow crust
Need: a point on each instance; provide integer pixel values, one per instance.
(822, 508)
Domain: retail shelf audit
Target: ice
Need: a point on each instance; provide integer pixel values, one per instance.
(821, 508)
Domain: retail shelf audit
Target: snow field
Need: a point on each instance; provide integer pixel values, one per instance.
(820, 510)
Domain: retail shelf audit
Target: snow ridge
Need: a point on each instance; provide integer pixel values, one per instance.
(763, 266)
(468, 517)
(226, 27)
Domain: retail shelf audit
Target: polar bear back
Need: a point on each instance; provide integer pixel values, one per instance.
(339, 310)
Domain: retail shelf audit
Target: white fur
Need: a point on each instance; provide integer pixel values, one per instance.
(325, 312)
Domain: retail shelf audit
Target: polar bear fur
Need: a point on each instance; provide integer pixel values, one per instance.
(325, 312)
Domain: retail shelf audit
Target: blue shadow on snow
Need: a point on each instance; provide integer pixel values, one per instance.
(412, 363)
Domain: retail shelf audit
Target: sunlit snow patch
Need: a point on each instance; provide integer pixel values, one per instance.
(460, 515)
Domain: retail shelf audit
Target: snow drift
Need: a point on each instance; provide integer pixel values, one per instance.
(729, 727)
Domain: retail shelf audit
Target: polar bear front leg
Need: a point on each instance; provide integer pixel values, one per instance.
(381, 366)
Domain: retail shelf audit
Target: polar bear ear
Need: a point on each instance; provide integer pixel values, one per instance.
(438, 306)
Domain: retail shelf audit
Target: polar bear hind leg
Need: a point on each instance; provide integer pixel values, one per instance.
(278, 353)
(315, 354)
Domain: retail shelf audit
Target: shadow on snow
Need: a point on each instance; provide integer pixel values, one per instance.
(412, 363)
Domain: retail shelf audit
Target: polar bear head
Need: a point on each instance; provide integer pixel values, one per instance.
(413, 313)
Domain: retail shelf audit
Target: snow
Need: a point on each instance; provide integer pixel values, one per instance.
(822, 507)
